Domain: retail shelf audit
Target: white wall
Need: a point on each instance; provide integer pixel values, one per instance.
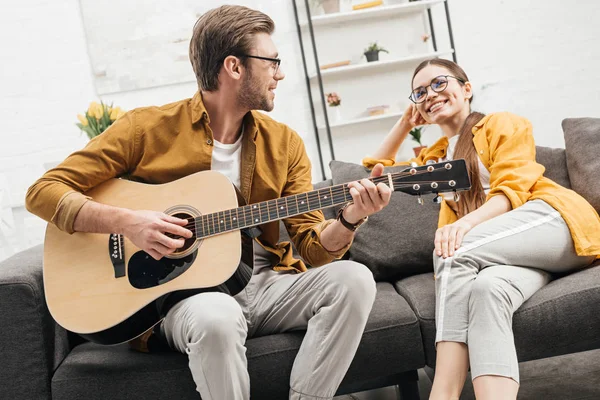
(537, 58)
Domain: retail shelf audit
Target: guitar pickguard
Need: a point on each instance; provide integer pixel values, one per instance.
(145, 272)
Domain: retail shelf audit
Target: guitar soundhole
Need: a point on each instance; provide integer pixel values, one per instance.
(145, 272)
(191, 226)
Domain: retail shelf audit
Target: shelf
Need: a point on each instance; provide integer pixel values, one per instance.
(363, 119)
(374, 12)
(378, 64)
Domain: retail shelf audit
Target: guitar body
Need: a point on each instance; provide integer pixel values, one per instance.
(109, 303)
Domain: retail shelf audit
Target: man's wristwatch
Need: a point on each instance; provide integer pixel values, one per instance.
(348, 225)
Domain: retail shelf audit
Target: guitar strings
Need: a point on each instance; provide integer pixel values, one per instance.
(340, 194)
(315, 194)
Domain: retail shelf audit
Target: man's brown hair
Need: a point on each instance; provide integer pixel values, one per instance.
(221, 32)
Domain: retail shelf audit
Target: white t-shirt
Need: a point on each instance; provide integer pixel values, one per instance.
(484, 174)
(227, 159)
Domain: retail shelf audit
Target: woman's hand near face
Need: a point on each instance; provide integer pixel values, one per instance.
(413, 117)
(390, 145)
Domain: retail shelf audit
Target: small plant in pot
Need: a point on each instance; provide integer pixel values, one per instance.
(372, 52)
(416, 136)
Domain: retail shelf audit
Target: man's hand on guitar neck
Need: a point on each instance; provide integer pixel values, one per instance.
(367, 199)
(146, 229)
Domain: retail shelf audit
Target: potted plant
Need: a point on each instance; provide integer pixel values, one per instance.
(334, 100)
(329, 6)
(372, 52)
(416, 136)
(98, 118)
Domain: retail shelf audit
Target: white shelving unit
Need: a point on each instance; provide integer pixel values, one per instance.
(385, 11)
(348, 69)
(340, 38)
(355, 121)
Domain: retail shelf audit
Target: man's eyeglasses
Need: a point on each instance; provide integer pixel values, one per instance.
(275, 62)
(438, 84)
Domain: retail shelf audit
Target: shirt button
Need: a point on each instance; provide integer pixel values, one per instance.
(209, 142)
(480, 151)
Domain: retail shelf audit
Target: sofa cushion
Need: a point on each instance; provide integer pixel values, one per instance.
(390, 345)
(398, 240)
(32, 345)
(560, 318)
(555, 161)
(581, 145)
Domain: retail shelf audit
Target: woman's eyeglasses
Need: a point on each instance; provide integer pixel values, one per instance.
(438, 84)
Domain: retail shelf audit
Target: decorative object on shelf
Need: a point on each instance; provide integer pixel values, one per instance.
(377, 110)
(416, 136)
(368, 4)
(334, 101)
(335, 65)
(98, 118)
(329, 6)
(320, 37)
(372, 52)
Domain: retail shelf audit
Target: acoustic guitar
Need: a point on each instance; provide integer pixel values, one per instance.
(105, 289)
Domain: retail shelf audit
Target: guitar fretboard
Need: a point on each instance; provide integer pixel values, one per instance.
(270, 210)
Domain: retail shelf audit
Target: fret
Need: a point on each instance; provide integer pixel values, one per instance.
(290, 202)
(281, 208)
(263, 211)
(304, 206)
(313, 201)
(255, 218)
(236, 219)
(205, 227)
(325, 198)
(247, 218)
(273, 215)
(226, 227)
(296, 198)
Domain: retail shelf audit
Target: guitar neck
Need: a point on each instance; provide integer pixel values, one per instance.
(272, 210)
(436, 178)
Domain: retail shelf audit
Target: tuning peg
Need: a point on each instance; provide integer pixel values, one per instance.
(456, 196)
(437, 199)
(420, 200)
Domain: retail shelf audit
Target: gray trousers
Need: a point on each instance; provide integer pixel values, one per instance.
(501, 263)
(332, 303)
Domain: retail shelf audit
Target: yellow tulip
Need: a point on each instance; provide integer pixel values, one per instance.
(116, 113)
(82, 119)
(95, 110)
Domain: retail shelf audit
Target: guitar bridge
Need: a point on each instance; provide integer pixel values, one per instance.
(116, 251)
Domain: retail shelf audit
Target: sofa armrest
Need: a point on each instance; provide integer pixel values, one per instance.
(32, 345)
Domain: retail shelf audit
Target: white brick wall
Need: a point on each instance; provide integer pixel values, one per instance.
(538, 58)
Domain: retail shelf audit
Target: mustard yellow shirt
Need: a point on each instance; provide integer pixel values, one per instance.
(160, 144)
(505, 145)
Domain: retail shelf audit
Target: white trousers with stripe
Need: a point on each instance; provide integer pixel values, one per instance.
(501, 263)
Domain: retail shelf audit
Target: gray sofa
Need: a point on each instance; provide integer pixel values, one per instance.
(40, 360)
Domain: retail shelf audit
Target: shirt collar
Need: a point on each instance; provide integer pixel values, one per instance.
(199, 112)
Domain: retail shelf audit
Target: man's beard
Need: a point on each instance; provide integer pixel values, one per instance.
(252, 96)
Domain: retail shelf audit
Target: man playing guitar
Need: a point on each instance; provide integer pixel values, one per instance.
(237, 69)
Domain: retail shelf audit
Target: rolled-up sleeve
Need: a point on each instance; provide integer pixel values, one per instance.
(513, 169)
(305, 229)
(58, 195)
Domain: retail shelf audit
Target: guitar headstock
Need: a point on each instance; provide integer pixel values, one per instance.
(447, 176)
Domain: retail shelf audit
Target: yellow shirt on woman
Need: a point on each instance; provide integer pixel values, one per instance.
(505, 145)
